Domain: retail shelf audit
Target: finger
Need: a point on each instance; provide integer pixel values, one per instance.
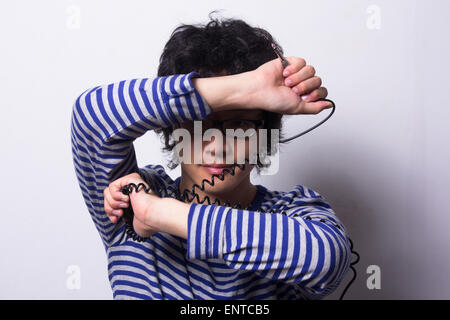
(112, 202)
(317, 94)
(295, 65)
(114, 212)
(116, 193)
(119, 196)
(109, 209)
(106, 205)
(316, 107)
(111, 212)
(115, 189)
(305, 73)
(113, 219)
(308, 86)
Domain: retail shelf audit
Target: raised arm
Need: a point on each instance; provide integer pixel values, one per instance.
(107, 119)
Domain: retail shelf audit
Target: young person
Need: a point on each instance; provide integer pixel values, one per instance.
(283, 245)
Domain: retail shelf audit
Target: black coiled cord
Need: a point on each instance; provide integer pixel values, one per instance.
(128, 213)
(186, 195)
(190, 195)
(221, 176)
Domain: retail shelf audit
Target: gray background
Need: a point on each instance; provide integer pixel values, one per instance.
(381, 160)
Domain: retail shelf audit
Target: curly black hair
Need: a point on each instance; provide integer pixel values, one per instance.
(228, 44)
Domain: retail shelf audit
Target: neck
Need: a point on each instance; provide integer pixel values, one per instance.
(245, 196)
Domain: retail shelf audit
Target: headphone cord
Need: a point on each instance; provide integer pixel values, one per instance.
(353, 269)
(312, 128)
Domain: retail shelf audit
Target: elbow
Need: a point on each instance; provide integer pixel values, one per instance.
(325, 275)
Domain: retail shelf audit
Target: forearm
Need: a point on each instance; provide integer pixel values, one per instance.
(226, 92)
(171, 216)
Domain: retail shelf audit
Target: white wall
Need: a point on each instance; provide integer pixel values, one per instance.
(381, 160)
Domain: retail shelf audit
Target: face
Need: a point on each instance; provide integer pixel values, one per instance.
(212, 163)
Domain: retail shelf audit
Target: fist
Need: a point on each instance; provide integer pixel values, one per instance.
(141, 202)
(290, 90)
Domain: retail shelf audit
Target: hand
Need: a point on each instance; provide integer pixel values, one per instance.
(145, 219)
(269, 90)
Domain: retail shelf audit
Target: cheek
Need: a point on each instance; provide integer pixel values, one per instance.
(190, 170)
(248, 149)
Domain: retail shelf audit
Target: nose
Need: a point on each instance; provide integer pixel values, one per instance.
(216, 151)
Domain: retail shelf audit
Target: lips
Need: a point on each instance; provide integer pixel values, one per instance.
(215, 168)
(217, 165)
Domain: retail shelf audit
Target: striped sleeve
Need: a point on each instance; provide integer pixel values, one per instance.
(107, 119)
(305, 245)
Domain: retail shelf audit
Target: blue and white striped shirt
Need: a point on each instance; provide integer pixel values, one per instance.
(288, 245)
